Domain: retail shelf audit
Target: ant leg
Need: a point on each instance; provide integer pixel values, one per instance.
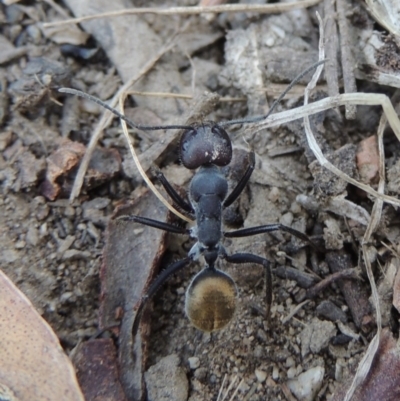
(243, 181)
(155, 223)
(154, 287)
(246, 232)
(178, 200)
(250, 258)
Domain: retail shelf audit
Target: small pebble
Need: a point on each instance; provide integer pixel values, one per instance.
(291, 373)
(306, 386)
(262, 335)
(289, 362)
(258, 352)
(73, 254)
(295, 208)
(20, 244)
(9, 256)
(286, 219)
(96, 203)
(316, 336)
(275, 373)
(32, 236)
(34, 32)
(69, 211)
(261, 375)
(66, 296)
(167, 380)
(194, 362)
(181, 291)
(330, 311)
(243, 387)
(339, 369)
(274, 194)
(200, 374)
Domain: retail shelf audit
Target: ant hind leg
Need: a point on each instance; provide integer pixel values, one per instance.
(154, 287)
(241, 258)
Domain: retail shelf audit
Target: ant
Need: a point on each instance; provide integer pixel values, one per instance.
(211, 296)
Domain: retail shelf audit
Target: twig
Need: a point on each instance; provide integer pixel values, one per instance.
(9, 2)
(221, 388)
(349, 273)
(331, 46)
(227, 8)
(294, 311)
(347, 57)
(236, 390)
(167, 95)
(229, 387)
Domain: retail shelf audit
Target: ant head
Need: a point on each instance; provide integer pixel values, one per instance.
(203, 144)
(211, 300)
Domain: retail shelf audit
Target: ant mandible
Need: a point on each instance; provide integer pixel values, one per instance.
(211, 296)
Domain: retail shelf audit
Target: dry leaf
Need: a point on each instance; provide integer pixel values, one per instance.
(33, 365)
(386, 12)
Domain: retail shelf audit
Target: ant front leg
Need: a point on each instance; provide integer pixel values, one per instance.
(241, 258)
(243, 181)
(177, 199)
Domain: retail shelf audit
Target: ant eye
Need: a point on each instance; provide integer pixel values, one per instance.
(211, 300)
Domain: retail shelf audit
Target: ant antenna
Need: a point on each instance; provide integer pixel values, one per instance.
(256, 119)
(120, 115)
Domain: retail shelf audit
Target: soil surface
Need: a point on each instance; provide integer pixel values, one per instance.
(52, 247)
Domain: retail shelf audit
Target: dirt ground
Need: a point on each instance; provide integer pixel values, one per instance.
(52, 248)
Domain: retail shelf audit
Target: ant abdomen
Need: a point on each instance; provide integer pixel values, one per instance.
(211, 300)
(205, 144)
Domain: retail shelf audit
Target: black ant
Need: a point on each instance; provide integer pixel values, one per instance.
(211, 296)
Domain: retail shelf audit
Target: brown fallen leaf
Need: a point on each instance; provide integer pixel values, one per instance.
(383, 380)
(130, 262)
(368, 160)
(97, 370)
(59, 164)
(33, 365)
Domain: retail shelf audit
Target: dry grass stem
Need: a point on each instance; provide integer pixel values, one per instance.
(227, 8)
(141, 171)
(294, 311)
(367, 99)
